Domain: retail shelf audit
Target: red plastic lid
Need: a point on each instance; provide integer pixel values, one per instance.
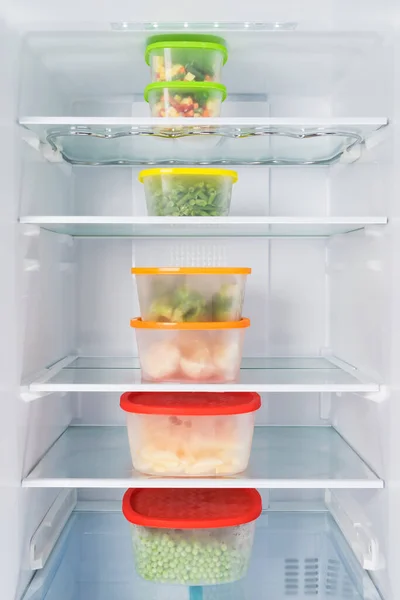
(190, 403)
(191, 508)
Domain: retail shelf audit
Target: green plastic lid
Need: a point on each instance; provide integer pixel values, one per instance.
(207, 43)
(184, 85)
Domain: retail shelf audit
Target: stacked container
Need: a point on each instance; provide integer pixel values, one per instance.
(186, 75)
(191, 328)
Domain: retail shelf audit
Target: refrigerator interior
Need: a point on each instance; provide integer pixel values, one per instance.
(322, 296)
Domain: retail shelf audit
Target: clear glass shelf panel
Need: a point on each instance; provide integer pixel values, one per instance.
(282, 457)
(246, 141)
(295, 554)
(275, 374)
(202, 226)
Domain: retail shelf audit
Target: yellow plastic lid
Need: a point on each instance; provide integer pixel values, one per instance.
(181, 171)
(139, 324)
(190, 270)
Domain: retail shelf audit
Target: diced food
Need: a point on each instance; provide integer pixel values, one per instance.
(191, 71)
(186, 60)
(190, 351)
(184, 192)
(195, 557)
(185, 99)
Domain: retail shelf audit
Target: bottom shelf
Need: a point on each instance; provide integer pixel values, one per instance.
(295, 555)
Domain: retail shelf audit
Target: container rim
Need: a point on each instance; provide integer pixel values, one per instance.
(191, 270)
(191, 508)
(190, 403)
(190, 171)
(138, 323)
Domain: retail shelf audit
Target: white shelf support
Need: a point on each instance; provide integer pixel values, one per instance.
(46, 535)
(356, 528)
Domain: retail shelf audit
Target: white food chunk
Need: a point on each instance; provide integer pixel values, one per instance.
(161, 360)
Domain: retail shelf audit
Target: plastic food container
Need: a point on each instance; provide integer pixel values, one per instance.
(190, 351)
(188, 192)
(191, 294)
(180, 60)
(182, 99)
(192, 536)
(190, 434)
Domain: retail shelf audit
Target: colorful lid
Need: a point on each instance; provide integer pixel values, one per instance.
(192, 86)
(190, 403)
(191, 508)
(199, 42)
(190, 271)
(182, 171)
(138, 323)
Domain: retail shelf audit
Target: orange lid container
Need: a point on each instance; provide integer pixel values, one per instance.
(190, 403)
(191, 508)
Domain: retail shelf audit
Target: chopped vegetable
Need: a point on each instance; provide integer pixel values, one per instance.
(192, 103)
(226, 302)
(193, 557)
(181, 305)
(172, 71)
(188, 197)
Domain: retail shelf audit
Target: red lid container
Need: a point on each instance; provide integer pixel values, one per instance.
(191, 508)
(190, 403)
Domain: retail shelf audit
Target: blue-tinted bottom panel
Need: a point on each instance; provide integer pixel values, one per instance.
(296, 555)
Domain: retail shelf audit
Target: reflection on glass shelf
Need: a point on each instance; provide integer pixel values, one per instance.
(112, 374)
(202, 226)
(281, 457)
(295, 554)
(246, 141)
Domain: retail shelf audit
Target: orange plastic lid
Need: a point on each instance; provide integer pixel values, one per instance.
(191, 508)
(190, 403)
(191, 271)
(139, 324)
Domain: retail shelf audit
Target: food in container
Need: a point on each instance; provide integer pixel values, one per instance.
(190, 434)
(191, 294)
(186, 60)
(192, 536)
(183, 99)
(190, 351)
(185, 192)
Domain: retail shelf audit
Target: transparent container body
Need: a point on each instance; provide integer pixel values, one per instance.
(190, 445)
(185, 102)
(186, 64)
(188, 195)
(193, 556)
(191, 298)
(190, 355)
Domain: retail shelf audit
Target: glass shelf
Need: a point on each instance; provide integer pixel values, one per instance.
(275, 374)
(295, 554)
(245, 141)
(281, 457)
(202, 226)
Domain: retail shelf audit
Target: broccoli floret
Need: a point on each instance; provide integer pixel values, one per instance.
(161, 309)
(226, 302)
